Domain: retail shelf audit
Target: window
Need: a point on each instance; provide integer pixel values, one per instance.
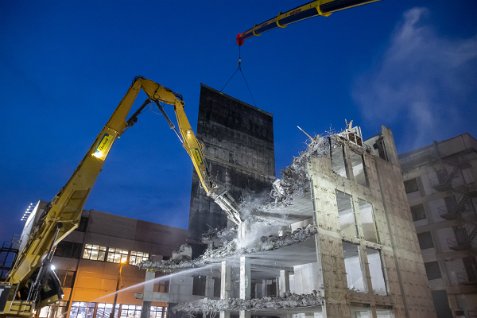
(376, 270)
(162, 286)
(68, 249)
(116, 255)
(384, 313)
(104, 310)
(358, 168)
(425, 240)
(81, 309)
(198, 285)
(346, 215)
(337, 159)
(156, 312)
(432, 270)
(137, 258)
(94, 252)
(418, 212)
(131, 311)
(354, 271)
(66, 278)
(366, 216)
(411, 185)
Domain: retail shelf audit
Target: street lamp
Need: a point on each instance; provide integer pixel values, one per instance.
(118, 284)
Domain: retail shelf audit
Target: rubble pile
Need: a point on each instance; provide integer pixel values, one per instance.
(265, 243)
(289, 301)
(294, 177)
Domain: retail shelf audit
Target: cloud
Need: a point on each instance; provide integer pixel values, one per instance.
(422, 83)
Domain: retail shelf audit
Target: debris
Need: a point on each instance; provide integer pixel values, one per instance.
(289, 301)
(265, 243)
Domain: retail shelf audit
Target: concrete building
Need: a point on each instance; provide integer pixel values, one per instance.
(100, 257)
(338, 241)
(238, 140)
(440, 182)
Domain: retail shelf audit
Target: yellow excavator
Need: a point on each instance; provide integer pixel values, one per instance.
(32, 283)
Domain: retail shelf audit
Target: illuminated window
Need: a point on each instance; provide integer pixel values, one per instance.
(131, 311)
(137, 258)
(346, 215)
(94, 252)
(156, 312)
(104, 311)
(81, 309)
(116, 255)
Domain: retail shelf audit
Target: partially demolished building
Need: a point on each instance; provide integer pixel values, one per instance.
(334, 239)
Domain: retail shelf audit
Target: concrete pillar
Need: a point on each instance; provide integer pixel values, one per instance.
(209, 287)
(283, 283)
(147, 294)
(264, 288)
(245, 283)
(225, 285)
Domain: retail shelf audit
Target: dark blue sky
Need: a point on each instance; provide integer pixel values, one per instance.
(64, 66)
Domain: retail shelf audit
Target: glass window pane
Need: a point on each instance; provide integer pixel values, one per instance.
(346, 214)
(354, 271)
(376, 271)
(116, 255)
(94, 252)
(366, 215)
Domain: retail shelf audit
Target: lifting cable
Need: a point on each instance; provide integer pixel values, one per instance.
(239, 69)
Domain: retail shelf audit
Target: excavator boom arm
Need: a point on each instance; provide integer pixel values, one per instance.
(66, 207)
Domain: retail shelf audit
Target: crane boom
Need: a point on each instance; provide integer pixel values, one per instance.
(308, 10)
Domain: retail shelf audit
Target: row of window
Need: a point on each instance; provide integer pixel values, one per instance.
(99, 310)
(347, 217)
(100, 253)
(113, 255)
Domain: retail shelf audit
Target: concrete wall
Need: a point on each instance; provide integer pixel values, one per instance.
(407, 291)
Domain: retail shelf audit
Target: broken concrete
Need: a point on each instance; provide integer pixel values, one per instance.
(289, 301)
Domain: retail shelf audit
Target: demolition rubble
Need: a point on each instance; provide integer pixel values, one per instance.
(289, 301)
(211, 255)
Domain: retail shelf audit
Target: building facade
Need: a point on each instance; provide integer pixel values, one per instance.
(339, 243)
(101, 257)
(238, 140)
(440, 182)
